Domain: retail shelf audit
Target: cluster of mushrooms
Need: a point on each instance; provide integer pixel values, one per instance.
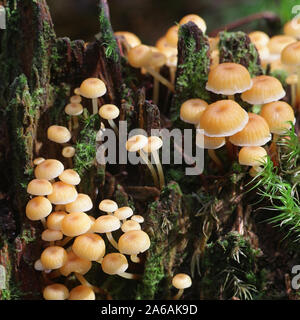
(73, 237)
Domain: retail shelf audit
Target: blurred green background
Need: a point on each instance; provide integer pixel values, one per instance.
(150, 19)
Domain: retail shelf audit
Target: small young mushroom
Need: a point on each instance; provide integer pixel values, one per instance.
(38, 208)
(76, 223)
(38, 160)
(62, 193)
(82, 292)
(75, 264)
(54, 257)
(108, 206)
(83, 203)
(49, 169)
(253, 156)
(163, 46)
(137, 218)
(228, 79)
(89, 246)
(116, 264)
(110, 112)
(74, 110)
(131, 39)
(172, 35)
(56, 291)
(54, 220)
(51, 235)
(39, 187)
(58, 134)
(75, 99)
(130, 225)
(292, 28)
(123, 213)
(107, 224)
(154, 144)
(196, 19)
(93, 88)
(181, 281)
(277, 44)
(192, 109)
(70, 176)
(133, 243)
(136, 144)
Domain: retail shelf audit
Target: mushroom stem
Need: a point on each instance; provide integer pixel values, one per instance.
(113, 125)
(134, 258)
(64, 241)
(128, 275)
(178, 295)
(95, 105)
(273, 146)
(75, 122)
(43, 220)
(215, 158)
(112, 240)
(231, 97)
(298, 89)
(159, 168)
(160, 78)
(156, 89)
(172, 74)
(150, 166)
(84, 282)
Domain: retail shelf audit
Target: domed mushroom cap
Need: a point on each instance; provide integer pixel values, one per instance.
(75, 224)
(130, 225)
(292, 28)
(89, 246)
(255, 133)
(181, 281)
(54, 257)
(68, 152)
(136, 143)
(196, 19)
(172, 36)
(63, 193)
(157, 59)
(70, 176)
(38, 208)
(92, 88)
(74, 109)
(105, 224)
(51, 235)
(252, 156)
(56, 291)
(139, 56)
(76, 99)
(132, 39)
(114, 263)
(192, 109)
(49, 169)
(290, 55)
(154, 143)
(137, 218)
(82, 293)
(58, 134)
(228, 79)
(109, 111)
(278, 114)
(123, 213)
(108, 205)
(205, 142)
(39, 187)
(38, 160)
(265, 89)
(75, 264)
(134, 242)
(223, 118)
(163, 46)
(54, 220)
(82, 203)
(278, 43)
(259, 38)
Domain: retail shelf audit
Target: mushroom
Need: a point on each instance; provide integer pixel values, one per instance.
(137, 218)
(62, 193)
(51, 235)
(70, 176)
(132, 40)
(75, 99)
(39, 187)
(140, 56)
(292, 28)
(49, 169)
(117, 264)
(110, 112)
(123, 213)
(75, 264)
(38, 208)
(172, 65)
(38, 160)
(54, 257)
(259, 38)
(74, 110)
(192, 109)
(75, 223)
(228, 79)
(58, 134)
(133, 243)
(136, 144)
(107, 224)
(277, 44)
(181, 281)
(89, 246)
(196, 19)
(68, 152)
(54, 220)
(172, 35)
(130, 225)
(152, 147)
(163, 46)
(56, 291)
(83, 203)
(93, 88)
(82, 292)
(108, 206)
(252, 156)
